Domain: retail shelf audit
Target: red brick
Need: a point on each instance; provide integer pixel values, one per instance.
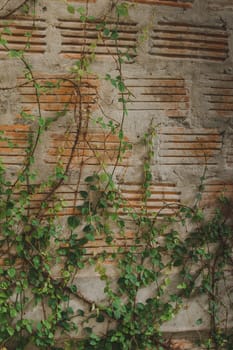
(77, 38)
(169, 96)
(174, 3)
(187, 41)
(218, 95)
(223, 5)
(19, 26)
(183, 146)
(13, 153)
(213, 191)
(66, 96)
(92, 149)
(165, 198)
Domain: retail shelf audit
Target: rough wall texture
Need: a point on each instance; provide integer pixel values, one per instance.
(181, 77)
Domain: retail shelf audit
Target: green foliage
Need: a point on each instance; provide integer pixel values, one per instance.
(122, 10)
(33, 243)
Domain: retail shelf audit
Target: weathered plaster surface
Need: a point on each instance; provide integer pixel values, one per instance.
(182, 78)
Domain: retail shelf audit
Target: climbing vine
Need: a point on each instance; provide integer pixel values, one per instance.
(40, 264)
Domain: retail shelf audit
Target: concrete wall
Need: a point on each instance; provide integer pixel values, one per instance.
(182, 79)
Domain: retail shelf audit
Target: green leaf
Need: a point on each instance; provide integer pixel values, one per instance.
(91, 18)
(148, 176)
(106, 32)
(182, 286)
(3, 296)
(29, 328)
(102, 203)
(121, 134)
(90, 236)
(107, 76)
(104, 177)
(71, 9)
(11, 272)
(73, 221)
(13, 312)
(93, 188)
(83, 194)
(7, 31)
(80, 312)
(100, 318)
(14, 53)
(81, 10)
(121, 86)
(114, 35)
(88, 330)
(3, 41)
(28, 34)
(82, 18)
(73, 288)
(10, 331)
(10, 205)
(66, 274)
(36, 262)
(90, 179)
(199, 321)
(122, 10)
(41, 122)
(89, 229)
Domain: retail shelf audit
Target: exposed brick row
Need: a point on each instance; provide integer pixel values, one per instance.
(215, 191)
(164, 199)
(220, 4)
(187, 41)
(183, 146)
(229, 155)
(166, 95)
(13, 144)
(64, 94)
(169, 39)
(24, 34)
(173, 3)
(66, 196)
(78, 37)
(218, 92)
(99, 245)
(92, 149)
(74, 1)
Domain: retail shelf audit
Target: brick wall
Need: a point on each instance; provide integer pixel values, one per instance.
(181, 77)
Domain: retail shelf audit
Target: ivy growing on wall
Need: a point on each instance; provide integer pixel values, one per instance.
(40, 264)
